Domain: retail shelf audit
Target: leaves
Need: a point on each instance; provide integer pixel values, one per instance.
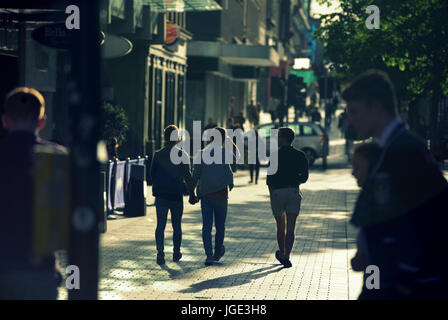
(116, 123)
(411, 44)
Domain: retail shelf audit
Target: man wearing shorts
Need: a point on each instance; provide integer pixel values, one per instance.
(285, 192)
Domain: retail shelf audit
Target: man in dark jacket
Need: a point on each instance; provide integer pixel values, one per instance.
(402, 208)
(168, 188)
(21, 277)
(285, 192)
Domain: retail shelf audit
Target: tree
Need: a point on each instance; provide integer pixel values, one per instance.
(411, 45)
(116, 123)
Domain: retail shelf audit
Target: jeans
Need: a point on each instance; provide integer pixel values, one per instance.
(213, 208)
(176, 208)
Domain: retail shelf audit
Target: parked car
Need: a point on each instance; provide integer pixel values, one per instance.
(311, 138)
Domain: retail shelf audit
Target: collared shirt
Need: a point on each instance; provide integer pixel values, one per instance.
(388, 131)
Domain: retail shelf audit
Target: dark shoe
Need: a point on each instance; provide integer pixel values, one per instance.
(209, 261)
(279, 258)
(287, 263)
(160, 258)
(251, 181)
(177, 256)
(221, 253)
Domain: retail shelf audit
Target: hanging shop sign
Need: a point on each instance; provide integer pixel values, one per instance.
(171, 34)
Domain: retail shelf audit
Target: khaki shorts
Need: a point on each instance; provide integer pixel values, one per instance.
(285, 200)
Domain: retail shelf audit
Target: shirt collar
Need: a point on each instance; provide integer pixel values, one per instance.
(388, 132)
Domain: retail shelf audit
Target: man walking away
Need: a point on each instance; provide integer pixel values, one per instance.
(168, 188)
(285, 192)
(20, 276)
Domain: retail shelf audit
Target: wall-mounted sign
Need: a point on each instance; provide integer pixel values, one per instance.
(54, 35)
(171, 34)
(57, 36)
(115, 46)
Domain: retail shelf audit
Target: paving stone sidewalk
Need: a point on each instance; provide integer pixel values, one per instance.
(325, 243)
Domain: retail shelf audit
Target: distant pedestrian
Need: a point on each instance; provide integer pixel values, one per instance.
(282, 113)
(210, 124)
(255, 167)
(284, 190)
(315, 115)
(21, 275)
(272, 108)
(349, 134)
(239, 121)
(402, 205)
(252, 113)
(168, 188)
(365, 156)
(214, 181)
(230, 124)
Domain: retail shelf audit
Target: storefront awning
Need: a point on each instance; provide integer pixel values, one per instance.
(182, 5)
(235, 54)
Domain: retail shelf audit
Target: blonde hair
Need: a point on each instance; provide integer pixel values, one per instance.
(24, 103)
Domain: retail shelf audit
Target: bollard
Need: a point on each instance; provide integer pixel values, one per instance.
(136, 195)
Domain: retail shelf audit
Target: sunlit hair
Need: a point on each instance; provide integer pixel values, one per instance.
(24, 103)
(167, 132)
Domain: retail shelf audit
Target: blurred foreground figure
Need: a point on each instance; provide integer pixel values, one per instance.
(20, 276)
(402, 208)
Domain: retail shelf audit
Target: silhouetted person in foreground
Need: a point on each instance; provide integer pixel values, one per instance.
(402, 206)
(21, 276)
(365, 156)
(284, 190)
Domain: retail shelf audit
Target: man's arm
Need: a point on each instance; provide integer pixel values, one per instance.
(303, 169)
(152, 169)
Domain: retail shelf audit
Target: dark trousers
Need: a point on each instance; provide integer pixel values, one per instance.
(252, 168)
(176, 208)
(217, 209)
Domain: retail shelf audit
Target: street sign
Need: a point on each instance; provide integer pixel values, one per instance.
(57, 36)
(54, 35)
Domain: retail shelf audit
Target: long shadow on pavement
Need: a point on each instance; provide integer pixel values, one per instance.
(232, 279)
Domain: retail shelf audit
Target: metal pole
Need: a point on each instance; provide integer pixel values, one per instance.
(85, 117)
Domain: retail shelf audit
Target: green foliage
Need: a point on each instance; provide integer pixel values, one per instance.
(116, 123)
(411, 44)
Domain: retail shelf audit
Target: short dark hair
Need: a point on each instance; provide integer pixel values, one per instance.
(287, 133)
(370, 151)
(24, 103)
(373, 85)
(167, 132)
